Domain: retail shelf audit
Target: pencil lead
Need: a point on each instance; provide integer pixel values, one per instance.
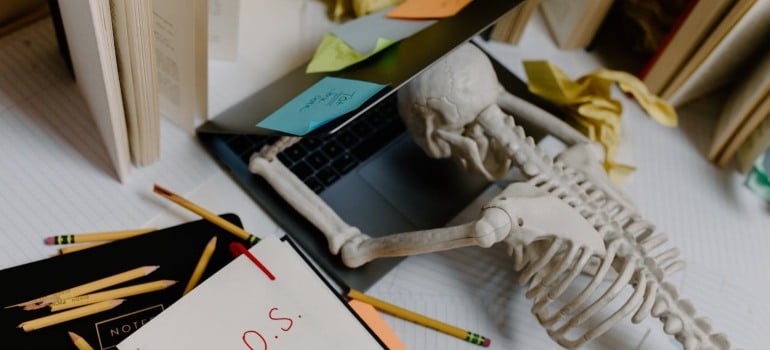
(162, 191)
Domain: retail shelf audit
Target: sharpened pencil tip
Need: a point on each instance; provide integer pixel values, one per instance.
(160, 190)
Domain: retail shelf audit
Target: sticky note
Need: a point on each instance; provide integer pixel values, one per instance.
(323, 102)
(374, 320)
(757, 179)
(334, 54)
(359, 39)
(418, 9)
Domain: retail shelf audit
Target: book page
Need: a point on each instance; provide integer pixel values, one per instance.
(91, 46)
(132, 25)
(240, 307)
(181, 70)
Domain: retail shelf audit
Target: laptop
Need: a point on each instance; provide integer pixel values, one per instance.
(364, 164)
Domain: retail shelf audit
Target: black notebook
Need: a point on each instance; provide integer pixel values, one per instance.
(176, 250)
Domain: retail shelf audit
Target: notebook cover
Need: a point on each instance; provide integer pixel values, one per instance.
(175, 249)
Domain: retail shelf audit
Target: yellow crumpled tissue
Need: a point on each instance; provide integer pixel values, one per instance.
(595, 113)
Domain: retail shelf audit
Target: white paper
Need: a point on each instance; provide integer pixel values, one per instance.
(239, 307)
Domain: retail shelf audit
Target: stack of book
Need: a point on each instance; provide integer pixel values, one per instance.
(706, 49)
(574, 23)
(133, 61)
(743, 128)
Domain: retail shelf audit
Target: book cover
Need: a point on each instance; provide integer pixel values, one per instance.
(175, 250)
(693, 26)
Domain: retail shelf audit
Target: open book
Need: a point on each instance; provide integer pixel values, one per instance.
(135, 60)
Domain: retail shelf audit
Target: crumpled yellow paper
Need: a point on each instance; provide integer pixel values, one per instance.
(595, 113)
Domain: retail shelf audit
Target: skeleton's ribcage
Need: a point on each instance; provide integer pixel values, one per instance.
(578, 294)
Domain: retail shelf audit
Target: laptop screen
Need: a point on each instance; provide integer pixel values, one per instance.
(392, 67)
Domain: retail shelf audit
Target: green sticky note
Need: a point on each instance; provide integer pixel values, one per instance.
(757, 179)
(334, 54)
(323, 102)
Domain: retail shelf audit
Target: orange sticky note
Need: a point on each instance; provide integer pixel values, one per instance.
(424, 9)
(375, 321)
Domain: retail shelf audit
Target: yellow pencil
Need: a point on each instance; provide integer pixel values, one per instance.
(211, 217)
(419, 319)
(87, 287)
(78, 247)
(201, 266)
(117, 293)
(69, 315)
(96, 236)
(79, 342)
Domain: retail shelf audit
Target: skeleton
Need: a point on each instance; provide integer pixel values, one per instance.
(567, 218)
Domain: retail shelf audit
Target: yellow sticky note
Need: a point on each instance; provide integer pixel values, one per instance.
(373, 319)
(422, 9)
(334, 54)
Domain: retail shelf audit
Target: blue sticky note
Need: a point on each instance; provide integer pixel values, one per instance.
(326, 100)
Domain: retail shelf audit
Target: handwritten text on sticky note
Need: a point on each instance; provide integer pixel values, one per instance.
(323, 102)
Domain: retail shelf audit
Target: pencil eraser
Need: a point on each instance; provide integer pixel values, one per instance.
(49, 240)
(486, 343)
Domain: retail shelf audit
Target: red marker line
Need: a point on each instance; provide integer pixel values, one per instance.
(237, 249)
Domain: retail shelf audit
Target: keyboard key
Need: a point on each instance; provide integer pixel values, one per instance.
(285, 159)
(344, 163)
(327, 176)
(315, 185)
(302, 170)
(332, 149)
(295, 152)
(317, 160)
(347, 138)
(311, 143)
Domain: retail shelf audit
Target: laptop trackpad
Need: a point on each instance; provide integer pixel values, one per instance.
(427, 192)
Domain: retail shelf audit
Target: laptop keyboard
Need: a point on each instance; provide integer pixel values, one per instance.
(320, 162)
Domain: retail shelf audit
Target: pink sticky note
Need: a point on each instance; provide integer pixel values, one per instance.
(423, 9)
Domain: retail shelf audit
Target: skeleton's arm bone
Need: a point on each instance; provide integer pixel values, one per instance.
(305, 201)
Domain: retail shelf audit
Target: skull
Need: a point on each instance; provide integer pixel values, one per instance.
(440, 106)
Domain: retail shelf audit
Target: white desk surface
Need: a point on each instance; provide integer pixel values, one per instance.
(54, 179)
